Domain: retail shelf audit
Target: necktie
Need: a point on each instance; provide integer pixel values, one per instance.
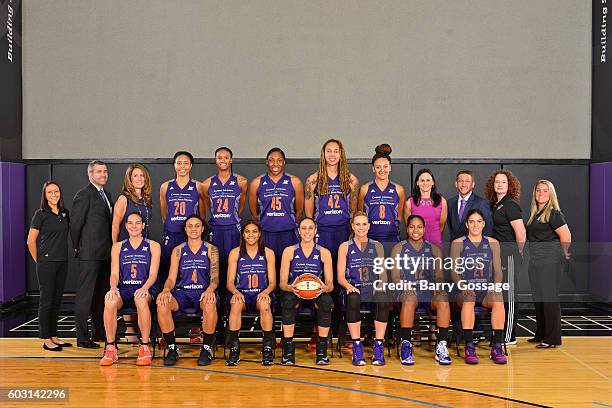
(461, 208)
(105, 200)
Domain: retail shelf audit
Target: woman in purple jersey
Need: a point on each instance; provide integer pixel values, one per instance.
(135, 197)
(476, 259)
(429, 204)
(277, 200)
(331, 197)
(178, 199)
(224, 199)
(306, 257)
(134, 265)
(356, 275)
(251, 278)
(382, 200)
(425, 265)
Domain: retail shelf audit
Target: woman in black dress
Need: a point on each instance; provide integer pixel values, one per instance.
(549, 241)
(48, 245)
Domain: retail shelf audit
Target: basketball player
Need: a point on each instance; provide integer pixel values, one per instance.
(424, 265)
(331, 197)
(356, 275)
(483, 254)
(191, 283)
(251, 278)
(134, 264)
(382, 200)
(277, 199)
(178, 198)
(224, 199)
(306, 257)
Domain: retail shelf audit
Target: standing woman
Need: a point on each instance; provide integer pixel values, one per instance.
(503, 190)
(135, 197)
(48, 245)
(224, 198)
(179, 198)
(429, 204)
(331, 197)
(277, 200)
(549, 240)
(382, 200)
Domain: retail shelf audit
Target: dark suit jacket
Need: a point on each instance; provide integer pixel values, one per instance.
(456, 226)
(90, 224)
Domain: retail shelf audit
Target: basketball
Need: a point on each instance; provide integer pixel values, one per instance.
(308, 286)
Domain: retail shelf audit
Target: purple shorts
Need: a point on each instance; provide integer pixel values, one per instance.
(127, 296)
(169, 241)
(331, 237)
(250, 301)
(225, 239)
(278, 241)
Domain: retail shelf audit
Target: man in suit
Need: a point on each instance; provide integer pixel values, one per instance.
(461, 204)
(90, 229)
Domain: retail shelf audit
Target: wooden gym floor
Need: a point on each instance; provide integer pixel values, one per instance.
(577, 374)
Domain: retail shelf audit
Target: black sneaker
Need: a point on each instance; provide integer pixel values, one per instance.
(205, 355)
(234, 356)
(288, 357)
(322, 358)
(172, 355)
(267, 355)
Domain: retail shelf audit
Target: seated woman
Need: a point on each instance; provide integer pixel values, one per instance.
(423, 270)
(192, 283)
(356, 275)
(251, 278)
(134, 265)
(306, 257)
(478, 275)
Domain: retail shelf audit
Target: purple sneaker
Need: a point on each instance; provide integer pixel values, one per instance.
(497, 354)
(406, 356)
(470, 354)
(358, 359)
(378, 357)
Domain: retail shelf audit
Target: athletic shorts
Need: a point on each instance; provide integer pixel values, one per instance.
(278, 241)
(225, 239)
(127, 296)
(331, 238)
(250, 301)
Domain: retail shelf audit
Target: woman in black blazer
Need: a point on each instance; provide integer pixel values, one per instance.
(48, 245)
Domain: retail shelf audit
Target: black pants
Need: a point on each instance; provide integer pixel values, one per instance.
(93, 283)
(545, 278)
(51, 281)
(511, 264)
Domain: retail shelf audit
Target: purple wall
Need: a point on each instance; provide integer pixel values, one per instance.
(12, 238)
(601, 230)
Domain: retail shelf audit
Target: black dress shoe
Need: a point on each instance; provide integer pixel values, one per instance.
(533, 340)
(63, 344)
(545, 345)
(88, 344)
(57, 348)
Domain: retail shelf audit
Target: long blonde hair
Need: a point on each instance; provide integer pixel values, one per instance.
(343, 173)
(552, 204)
(128, 189)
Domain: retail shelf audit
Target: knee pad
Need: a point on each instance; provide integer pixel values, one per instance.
(353, 306)
(382, 312)
(288, 308)
(324, 302)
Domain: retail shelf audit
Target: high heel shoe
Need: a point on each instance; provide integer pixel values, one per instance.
(57, 348)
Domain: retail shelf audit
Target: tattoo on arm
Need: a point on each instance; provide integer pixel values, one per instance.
(214, 266)
(354, 195)
(309, 189)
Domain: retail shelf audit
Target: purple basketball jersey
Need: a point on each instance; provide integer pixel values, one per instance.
(480, 268)
(224, 201)
(276, 204)
(360, 264)
(332, 209)
(134, 264)
(301, 264)
(181, 203)
(194, 268)
(252, 273)
(420, 264)
(382, 209)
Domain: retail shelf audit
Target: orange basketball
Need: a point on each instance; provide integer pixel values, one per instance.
(308, 286)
